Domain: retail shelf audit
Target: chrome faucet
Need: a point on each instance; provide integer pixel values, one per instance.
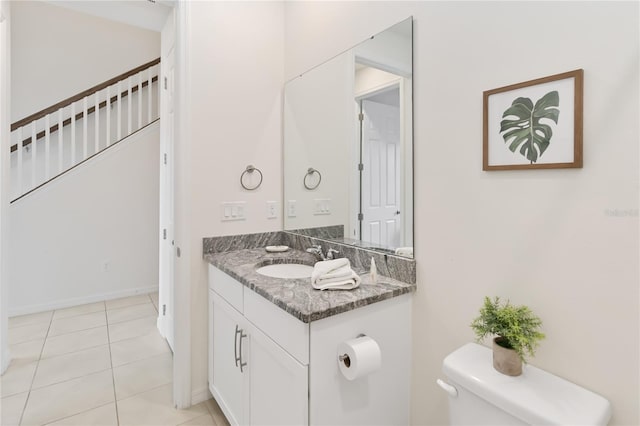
(317, 250)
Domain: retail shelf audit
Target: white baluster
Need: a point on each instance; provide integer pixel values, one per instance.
(149, 79)
(139, 100)
(119, 106)
(20, 149)
(96, 112)
(129, 109)
(73, 134)
(85, 120)
(60, 127)
(47, 148)
(34, 151)
(108, 123)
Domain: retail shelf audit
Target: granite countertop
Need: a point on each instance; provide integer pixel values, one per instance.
(297, 296)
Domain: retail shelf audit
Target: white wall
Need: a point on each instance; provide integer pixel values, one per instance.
(564, 242)
(235, 52)
(105, 210)
(45, 65)
(5, 90)
(320, 132)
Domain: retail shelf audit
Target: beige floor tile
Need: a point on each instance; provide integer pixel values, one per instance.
(130, 350)
(30, 319)
(74, 311)
(76, 341)
(216, 412)
(27, 351)
(205, 420)
(131, 312)
(68, 398)
(127, 301)
(11, 409)
(73, 365)
(144, 375)
(18, 377)
(77, 323)
(101, 416)
(155, 407)
(135, 328)
(28, 332)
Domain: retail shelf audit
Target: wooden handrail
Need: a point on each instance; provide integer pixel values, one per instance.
(79, 115)
(81, 95)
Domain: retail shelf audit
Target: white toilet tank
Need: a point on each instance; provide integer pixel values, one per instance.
(479, 395)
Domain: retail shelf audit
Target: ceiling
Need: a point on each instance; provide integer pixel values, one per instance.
(150, 15)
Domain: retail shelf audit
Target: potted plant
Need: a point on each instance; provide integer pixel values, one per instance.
(517, 333)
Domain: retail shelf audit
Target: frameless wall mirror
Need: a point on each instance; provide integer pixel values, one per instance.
(348, 146)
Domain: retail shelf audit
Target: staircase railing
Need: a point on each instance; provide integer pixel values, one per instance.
(50, 142)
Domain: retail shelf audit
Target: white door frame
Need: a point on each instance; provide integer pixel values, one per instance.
(5, 118)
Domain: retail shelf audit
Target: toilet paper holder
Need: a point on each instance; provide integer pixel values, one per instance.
(345, 358)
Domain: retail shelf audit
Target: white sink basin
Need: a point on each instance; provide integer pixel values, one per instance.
(286, 270)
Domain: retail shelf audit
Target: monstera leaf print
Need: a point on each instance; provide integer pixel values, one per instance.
(522, 127)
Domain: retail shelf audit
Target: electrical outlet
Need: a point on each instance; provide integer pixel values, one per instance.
(321, 206)
(272, 209)
(106, 265)
(291, 208)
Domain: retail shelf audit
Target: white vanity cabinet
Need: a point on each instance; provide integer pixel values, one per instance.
(266, 367)
(254, 379)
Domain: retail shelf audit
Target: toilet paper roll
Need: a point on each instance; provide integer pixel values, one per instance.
(359, 357)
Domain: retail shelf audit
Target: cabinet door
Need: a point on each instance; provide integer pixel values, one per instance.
(229, 348)
(279, 384)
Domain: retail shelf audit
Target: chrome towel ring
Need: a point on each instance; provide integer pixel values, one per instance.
(310, 172)
(250, 169)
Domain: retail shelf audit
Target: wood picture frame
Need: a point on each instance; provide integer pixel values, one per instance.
(536, 124)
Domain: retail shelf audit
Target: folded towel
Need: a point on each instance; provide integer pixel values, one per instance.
(334, 275)
(404, 251)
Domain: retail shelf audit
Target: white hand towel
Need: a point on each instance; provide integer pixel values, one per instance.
(334, 275)
(404, 251)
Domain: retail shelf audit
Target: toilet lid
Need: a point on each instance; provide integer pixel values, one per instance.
(535, 397)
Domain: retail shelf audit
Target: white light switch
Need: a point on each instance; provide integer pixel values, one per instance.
(233, 211)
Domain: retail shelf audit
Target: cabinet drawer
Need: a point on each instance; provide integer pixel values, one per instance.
(287, 331)
(227, 287)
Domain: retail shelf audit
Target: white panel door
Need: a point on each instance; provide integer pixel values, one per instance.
(279, 384)
(381, 174)
(167, 259)
(229, 382)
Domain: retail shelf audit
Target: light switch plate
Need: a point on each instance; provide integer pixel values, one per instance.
(233, 210)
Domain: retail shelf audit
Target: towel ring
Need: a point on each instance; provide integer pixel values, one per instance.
(310, 172)
(250, 169)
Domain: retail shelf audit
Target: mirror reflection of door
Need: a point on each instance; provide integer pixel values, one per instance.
(380, 174)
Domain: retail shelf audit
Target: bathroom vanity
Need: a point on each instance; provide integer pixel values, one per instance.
(273, 345)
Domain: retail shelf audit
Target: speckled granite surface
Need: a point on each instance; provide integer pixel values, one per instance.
(296, 296)
(397, 267)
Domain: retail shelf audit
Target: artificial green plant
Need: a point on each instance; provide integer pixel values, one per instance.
(516, 326)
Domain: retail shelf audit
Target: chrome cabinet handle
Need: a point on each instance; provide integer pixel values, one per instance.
(235, 345)
(242, 364)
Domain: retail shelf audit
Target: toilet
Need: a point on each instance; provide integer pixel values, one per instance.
(479, 395)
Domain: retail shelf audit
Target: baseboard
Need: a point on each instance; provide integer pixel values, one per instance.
(6, 360)
(75, 301)
(200, 395)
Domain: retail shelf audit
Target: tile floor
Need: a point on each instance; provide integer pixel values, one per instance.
(97, 364)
